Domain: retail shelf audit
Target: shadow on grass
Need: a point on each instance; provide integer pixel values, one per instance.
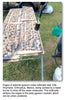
(22, 71)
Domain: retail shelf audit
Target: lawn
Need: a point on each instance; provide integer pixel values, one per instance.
(31, 70)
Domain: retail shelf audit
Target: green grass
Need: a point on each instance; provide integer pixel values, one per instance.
(31, 70)
(4, 15)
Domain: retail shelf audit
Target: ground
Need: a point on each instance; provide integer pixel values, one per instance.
(31, 70)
